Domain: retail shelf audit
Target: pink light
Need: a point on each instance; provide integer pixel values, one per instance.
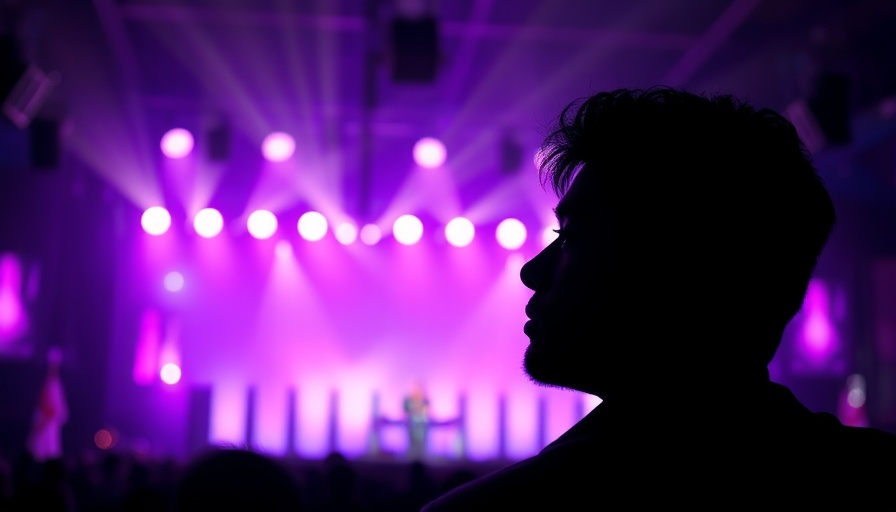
(269, 430)
(13, 319)
(170, 374)
(371, 234)
(228, 413)
(511, 234)
(548, 235)
(283, 249)
(262, 224)
(819, 335)
(346, 233)
(312, 226)
(407, 229)
(460, 232)
(208, 222)
(155, 220)
(177, 143)
(174, 281)
(278, 147)
(429, 152)
(146, 354)
(103, 439)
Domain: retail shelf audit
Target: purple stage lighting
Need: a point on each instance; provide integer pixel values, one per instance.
(283, 249)
(170, 374)
(208, 222)
(278, 147)
(155, 220)
(407, 229)
(459, 232)
(177, 143)
(174, 281)
(346, 233)
(511, 234)
(370, 234)
(262, 224)
(429, 152)
(312, 226)
(548, 235)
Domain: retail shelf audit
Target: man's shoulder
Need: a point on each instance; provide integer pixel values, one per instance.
(519, 485)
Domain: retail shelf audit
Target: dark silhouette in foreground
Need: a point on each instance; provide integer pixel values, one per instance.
(690, 226)
(237, 479)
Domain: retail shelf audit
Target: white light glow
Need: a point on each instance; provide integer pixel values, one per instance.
(429, 153)
(262, 224)
(511, 234)
(208, 222)
(155, 220)
(459, 232)
(346, 233)
(278, 147)
(177, 143)
(312, 226)
(370, 234)
(407, 229)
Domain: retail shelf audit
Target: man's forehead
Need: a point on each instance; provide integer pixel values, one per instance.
(580, 199)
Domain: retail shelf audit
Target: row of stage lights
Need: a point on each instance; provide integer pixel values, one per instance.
(312, 226)
(279, 146)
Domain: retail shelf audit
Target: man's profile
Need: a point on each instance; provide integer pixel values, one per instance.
(689, 228)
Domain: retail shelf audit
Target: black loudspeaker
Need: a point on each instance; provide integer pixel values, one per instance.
(829, 104)
(198, 422)
(12, 66)
(511, 156)
(219, 143)
(414, 49)
(43, 144)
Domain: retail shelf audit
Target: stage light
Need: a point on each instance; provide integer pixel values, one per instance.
(155, 220)
(370, 234)
(407, 229)
(346, 233)
(511, 234)
(170, 374)
(312, 226)
(278, 146)
(208, 222)
(459, 232)
(174, 281)
(429, 152)
(261, 224)
(177, 143)
(103, 439)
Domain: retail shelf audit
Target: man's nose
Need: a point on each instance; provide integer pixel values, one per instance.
(535, 273)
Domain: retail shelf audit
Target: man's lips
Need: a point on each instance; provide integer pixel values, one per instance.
(529, 327)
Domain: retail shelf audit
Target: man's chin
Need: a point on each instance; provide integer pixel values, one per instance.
(545, 370)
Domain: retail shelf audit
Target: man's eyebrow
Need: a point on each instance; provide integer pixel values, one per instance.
(562, 210)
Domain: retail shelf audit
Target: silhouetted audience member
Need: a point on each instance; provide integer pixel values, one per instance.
(45, 490)
(237, 479)
(689, 228)
(341, 481)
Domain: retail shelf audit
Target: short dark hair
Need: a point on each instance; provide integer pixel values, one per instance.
(727, 187)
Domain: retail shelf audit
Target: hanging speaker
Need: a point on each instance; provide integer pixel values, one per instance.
(218, 138)
(829, 104)
(43, 144)
(414, 45)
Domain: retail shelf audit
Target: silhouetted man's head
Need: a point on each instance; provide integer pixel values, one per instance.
(689, 229)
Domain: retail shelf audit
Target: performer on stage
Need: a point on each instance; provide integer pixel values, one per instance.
(45, 439)
(416, 410)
